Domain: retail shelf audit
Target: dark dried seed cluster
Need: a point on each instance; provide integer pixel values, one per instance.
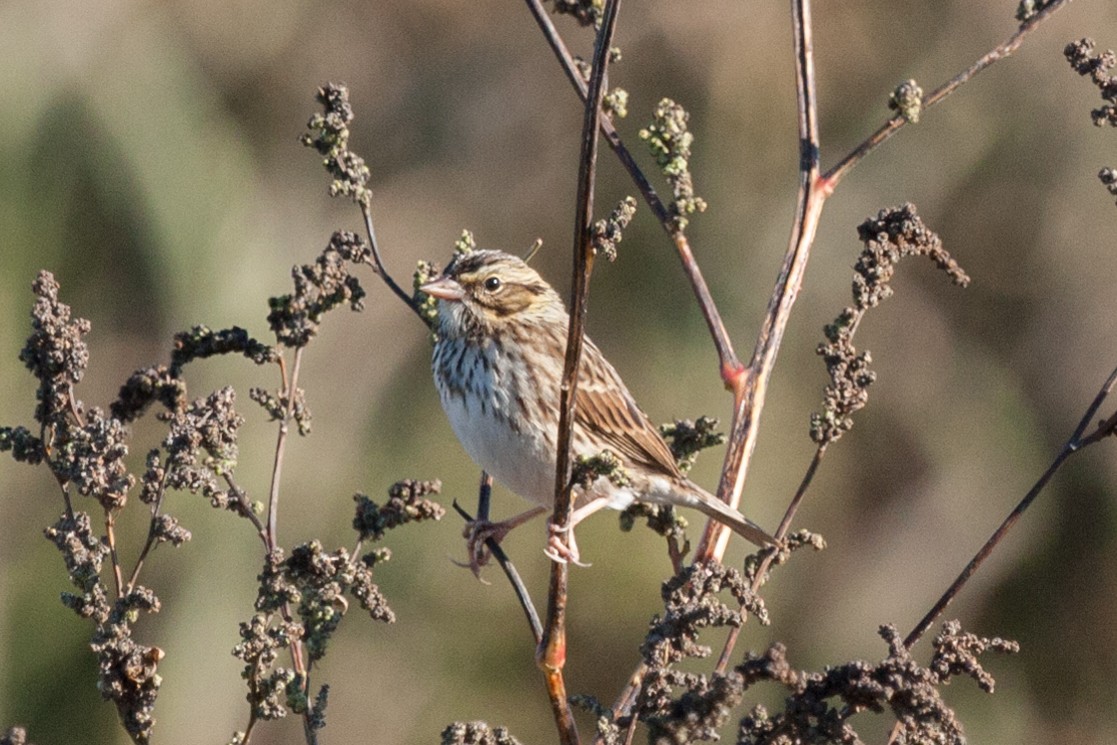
(329, 135)
(407, 502)
(262, 641)
(315, 583)
(850, 378)
(892, 235)
(1108, 177)
(128, 670)
(691, 603)
(55, 353)
(15, 736)
(664, 519)
(23, 445)
(146, 386)
(907, 101)
(201, 342)
(800, 539)
(608, 233)
(208, 425)
(84, 553)
(164, 384)
(1096, 67)
(820, 704)
(199, 451)
(476, 733)
(586, 12)
(606, 464)
(1029, 9)
(319, 288)
(276, 406)
(686, 439)
(91, 458)
(608, 731)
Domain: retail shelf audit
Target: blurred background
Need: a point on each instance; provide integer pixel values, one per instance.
(149, 159)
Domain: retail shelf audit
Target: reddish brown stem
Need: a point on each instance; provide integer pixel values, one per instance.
(551, 652)
(751, 387)
(781, 533)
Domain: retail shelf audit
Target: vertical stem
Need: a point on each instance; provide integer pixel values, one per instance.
(551, 654)
(751, 386)
(110, 538)
(290, 386)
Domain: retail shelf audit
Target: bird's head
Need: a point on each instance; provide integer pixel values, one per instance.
(482, 292)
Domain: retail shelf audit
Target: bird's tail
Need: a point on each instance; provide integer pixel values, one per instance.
(714, 508)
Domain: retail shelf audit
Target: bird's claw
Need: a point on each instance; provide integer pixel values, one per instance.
(561, 546)
(477, 533)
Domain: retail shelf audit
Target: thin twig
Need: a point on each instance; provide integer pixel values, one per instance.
(812, 196)
(781, 533)
(250, 726)
(271, 530)
(378, 265)
(1072, 446)
(551, 652)
(309, 733)
(150, 542)
(290, 387)
(513, 577)
(893, 125)
(245, 507)
(110, 539)
(749, 385)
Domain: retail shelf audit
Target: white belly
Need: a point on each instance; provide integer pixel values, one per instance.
(521, 461)
(520, 458)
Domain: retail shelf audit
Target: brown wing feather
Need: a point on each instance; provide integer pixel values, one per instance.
(608, 413)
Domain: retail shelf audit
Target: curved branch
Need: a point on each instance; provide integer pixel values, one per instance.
(377, 265)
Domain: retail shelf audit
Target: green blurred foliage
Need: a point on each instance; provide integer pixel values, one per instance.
(149, 160)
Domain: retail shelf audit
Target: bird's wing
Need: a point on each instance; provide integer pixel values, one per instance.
(608, 413)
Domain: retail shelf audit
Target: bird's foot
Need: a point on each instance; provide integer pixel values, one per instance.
(478, 532)
(561, 545)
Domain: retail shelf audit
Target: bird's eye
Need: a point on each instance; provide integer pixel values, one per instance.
(492, 284)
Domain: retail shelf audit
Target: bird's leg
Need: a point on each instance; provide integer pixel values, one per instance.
(561, 545)
(476, 532)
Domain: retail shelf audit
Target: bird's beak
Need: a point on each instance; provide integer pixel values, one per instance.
(443, 288)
